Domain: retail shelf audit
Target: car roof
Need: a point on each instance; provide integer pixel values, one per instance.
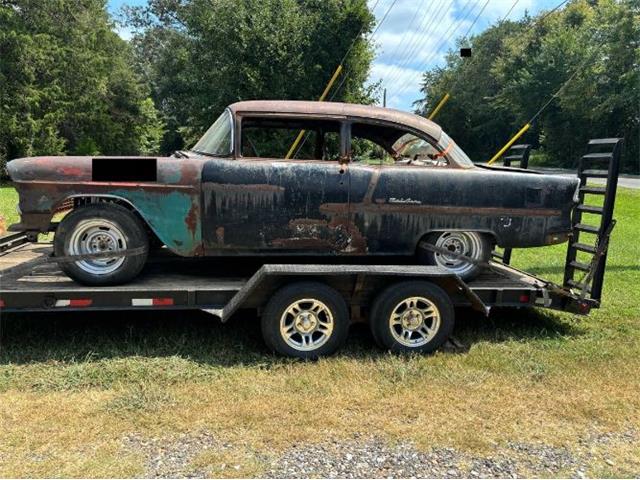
(340, 109)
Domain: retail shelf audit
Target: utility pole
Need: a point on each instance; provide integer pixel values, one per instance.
(383, 153)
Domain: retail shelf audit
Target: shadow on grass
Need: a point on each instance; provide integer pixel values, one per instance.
(77, 336)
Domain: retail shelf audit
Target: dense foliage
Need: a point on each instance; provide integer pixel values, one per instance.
(199, 56)
(517, 66)
(67, 83)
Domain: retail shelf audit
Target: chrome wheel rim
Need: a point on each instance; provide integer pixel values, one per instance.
(306, 324)
(461, 243)
(414, 321)
(97, 236)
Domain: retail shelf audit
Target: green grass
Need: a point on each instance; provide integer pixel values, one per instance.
(73, 385)
(8, 204)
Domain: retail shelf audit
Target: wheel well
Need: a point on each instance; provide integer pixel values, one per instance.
(72, 203)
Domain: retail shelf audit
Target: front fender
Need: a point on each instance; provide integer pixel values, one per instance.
(170, 205)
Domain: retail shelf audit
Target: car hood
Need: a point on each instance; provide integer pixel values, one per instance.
(52, 168)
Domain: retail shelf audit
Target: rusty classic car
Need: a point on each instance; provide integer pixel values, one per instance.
(364, 180)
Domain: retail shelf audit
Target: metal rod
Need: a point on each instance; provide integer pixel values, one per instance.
(439, 106)
(332, 80)
(500, 152)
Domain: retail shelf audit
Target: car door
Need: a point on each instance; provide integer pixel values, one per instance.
(256, 203)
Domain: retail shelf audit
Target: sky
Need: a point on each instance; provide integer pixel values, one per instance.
(415, 35)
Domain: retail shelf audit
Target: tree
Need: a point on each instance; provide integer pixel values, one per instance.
(67, 83)
(592, 47)
(199, 55)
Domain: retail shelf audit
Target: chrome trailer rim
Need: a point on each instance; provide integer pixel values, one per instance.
(97, 236)
(414, 321)
(461, 243)
(306, 324)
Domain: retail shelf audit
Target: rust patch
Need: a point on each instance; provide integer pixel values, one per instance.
(247, 187)
(72, 171)
(220, 235)
(373, 183)
(390, 208)
(192, 219)
(311, 243)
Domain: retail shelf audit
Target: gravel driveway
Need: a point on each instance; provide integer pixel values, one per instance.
(371, 457)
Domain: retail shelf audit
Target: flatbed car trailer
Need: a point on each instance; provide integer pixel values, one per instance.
(306, 307)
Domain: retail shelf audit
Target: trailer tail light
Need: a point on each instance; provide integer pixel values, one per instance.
(1, 303)
(74, 302)
(584, 308)
(151, 302)
(524, 298)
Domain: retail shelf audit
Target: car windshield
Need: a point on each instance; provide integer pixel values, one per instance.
(218, 139)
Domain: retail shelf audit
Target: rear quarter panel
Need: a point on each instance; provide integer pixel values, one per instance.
(393, 207)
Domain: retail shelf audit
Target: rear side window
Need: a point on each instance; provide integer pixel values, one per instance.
(390, 145)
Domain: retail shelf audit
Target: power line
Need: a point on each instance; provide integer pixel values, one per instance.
(420, 40)
(414, 40)
(506, 15)
(449, 32)
(303, 136)
(447, 94)
(474, 21)
(355, 39)
(346, 74)
(447, 36)
(548, 102)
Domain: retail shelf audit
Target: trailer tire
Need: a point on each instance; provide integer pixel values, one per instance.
(101, 227)
(305, 320)
(414, 316)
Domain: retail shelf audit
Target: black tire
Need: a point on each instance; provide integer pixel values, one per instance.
(283, 299)
(387, 301)
(484, 246)
(131, 228)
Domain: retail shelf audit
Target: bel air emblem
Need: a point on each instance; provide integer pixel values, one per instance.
(404, 200)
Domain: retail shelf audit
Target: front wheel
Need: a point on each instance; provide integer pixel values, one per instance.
(475, 245)
(305, 320)
(101, 228)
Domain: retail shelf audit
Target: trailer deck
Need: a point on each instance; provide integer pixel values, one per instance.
(220, 286)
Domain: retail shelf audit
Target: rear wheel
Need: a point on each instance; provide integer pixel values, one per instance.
(98, 228)
(305, 320)
(412, 316)
(475, 245)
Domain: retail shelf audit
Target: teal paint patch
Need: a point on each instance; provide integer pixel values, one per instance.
(169, 216)
(171, 176)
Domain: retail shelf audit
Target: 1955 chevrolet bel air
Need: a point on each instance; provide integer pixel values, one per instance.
(364, 181)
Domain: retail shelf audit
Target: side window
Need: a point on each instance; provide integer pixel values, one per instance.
(271, 137)
(413, 150)
(383, 144)
(367, 151)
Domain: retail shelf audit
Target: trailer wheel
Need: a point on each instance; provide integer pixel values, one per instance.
(97, 228)
(414, 316)
(305, 320)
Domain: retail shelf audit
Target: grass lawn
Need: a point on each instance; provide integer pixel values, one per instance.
(74, 388)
